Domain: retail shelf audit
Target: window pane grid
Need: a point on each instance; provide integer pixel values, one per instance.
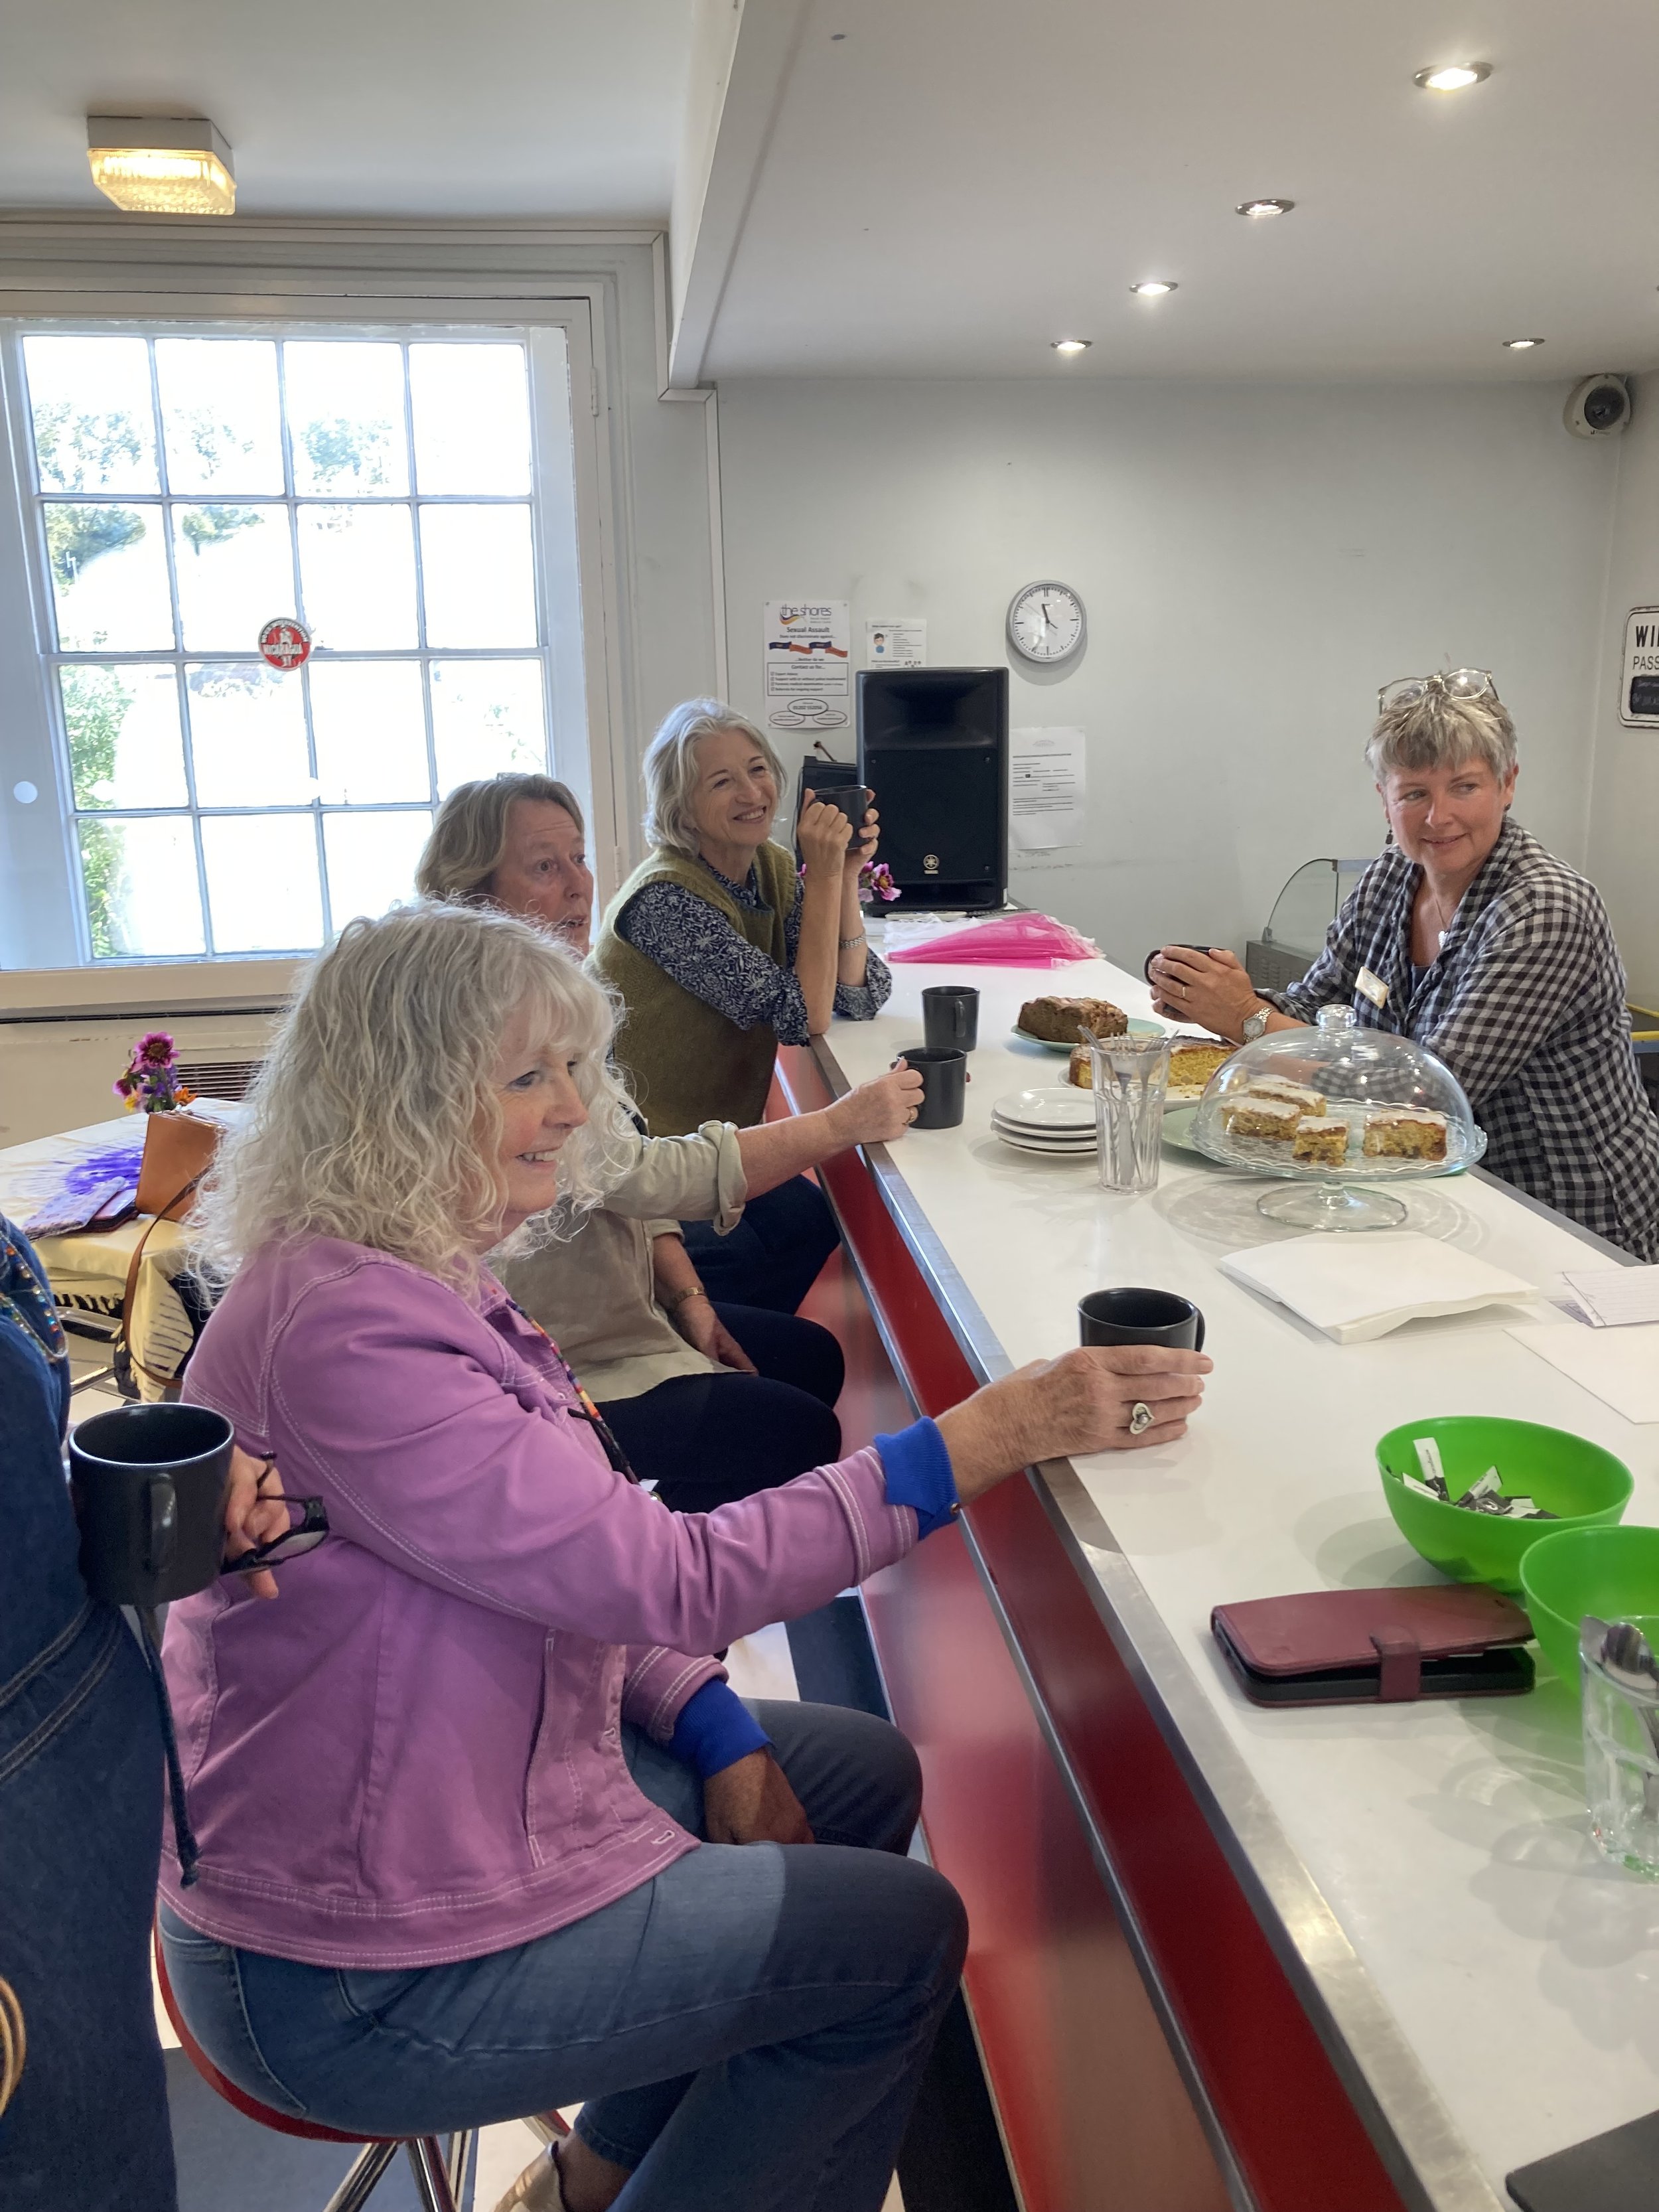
(226, 516)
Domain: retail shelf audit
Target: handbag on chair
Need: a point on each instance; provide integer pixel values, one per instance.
(178, 1150)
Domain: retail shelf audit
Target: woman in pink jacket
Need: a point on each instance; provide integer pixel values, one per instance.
(465, 1798)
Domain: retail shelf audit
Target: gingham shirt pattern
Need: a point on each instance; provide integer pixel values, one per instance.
(1526, 1005)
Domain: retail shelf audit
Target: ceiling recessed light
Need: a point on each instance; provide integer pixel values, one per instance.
(1154, 288)
(1453, 76)
(1521, 345)
(168, 165)
(1262, 208)
(1073, 345)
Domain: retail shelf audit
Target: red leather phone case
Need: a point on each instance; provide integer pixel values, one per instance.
(1389, 1633)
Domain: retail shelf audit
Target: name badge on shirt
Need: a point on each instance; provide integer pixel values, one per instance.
(1373, 987)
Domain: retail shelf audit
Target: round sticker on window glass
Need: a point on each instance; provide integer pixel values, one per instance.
(285, 642)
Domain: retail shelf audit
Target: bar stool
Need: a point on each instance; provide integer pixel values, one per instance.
(438, 2179)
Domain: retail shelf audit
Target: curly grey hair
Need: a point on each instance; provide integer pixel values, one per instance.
(671, 768)
(1438, 729)
(468, 838)
(376, 1119)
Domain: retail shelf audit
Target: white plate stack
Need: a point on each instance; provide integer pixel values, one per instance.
(1057, 1121)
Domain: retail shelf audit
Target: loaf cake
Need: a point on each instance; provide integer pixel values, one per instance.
(1194, 1061)
(1320, 1138)
(1406, 1133)
(1275, 1119)
(1274, 1086)
(1067, 1021)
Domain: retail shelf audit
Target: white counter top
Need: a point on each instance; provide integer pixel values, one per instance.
(1432, 1864)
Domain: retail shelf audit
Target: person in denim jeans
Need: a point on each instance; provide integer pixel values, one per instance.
(80, 1815)
(483, 1831)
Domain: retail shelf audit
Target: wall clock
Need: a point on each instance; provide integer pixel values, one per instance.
(1046, 623)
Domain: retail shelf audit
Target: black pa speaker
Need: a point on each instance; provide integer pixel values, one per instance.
(933, 747)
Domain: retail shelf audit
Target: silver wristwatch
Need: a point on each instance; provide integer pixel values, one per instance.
(1255, 1024)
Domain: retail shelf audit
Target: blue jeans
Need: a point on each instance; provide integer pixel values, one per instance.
(773, 1256)
(747, 2031)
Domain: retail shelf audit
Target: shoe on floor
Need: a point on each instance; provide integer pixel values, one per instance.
(537, 2189)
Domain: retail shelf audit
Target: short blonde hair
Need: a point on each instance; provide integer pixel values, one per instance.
(1438, 729)
(468, 838)
(671, 769)
(376, 1119)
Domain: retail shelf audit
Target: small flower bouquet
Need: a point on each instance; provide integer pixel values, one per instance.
(150, 1084)
(876, 882)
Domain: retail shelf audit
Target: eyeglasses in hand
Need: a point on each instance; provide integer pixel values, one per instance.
(307, 1533)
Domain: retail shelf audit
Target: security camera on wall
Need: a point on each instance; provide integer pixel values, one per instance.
(1598, 408)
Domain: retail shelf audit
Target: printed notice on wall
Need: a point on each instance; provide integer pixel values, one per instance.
(1638, 682)
(1045, 789)
(807, 652)
(895, 644)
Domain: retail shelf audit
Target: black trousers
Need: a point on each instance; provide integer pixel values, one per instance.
(773, 1256)
(705, 1439)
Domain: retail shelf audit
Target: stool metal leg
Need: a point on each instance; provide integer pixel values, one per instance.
(431, 2176)
(460, 2157)
(360, 2183)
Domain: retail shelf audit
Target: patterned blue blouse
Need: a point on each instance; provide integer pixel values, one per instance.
(699, 948)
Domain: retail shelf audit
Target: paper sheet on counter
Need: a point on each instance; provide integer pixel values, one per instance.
(1356, 1288)
(1616, 1297)
(1619, 1366)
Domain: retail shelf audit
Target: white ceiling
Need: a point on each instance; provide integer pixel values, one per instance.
(957, 182)
(953, 183)
(433, 107)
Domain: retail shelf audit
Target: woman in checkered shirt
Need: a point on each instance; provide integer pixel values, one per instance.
(1465, 934)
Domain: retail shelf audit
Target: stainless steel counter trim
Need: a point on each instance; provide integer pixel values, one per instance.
(1413, 2133)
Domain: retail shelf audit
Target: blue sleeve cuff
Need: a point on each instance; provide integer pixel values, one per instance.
(716, 1729)
(918, 1470)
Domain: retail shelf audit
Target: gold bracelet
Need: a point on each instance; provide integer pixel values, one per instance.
(673, 1304)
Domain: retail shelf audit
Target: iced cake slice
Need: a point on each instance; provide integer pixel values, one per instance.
(1320, 1138)
(1406, 1133)
(1273, 1086)
(1194, 1061)
(1275, 1119)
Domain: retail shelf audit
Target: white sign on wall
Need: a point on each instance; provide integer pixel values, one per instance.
(898, 644)
(1045, 789)
(1638, 679)
(806, 647)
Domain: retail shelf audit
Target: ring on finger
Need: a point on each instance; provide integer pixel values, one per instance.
(1140, 1417)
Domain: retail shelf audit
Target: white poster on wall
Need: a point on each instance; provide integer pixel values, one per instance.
(1638, 679)
(896, 644)
(806, 648)
(1045, 789)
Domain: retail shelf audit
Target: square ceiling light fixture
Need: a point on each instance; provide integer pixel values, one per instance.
(161, 165)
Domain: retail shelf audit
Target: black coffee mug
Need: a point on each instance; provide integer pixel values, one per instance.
(1141, 1318)
(943, 1073)
(148, 1484)
(1147, 966)
(950, 1015)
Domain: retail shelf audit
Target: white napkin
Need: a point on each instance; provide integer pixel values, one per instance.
(1357, 1287)
(1620, 1366)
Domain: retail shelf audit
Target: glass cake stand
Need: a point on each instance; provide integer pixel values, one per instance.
(1374, 1082)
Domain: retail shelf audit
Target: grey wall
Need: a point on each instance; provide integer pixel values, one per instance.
(1255, 560)
(1624, 836)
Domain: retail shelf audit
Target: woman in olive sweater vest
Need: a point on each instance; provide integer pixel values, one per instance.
(720, 954)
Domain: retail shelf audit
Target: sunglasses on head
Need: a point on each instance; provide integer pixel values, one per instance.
(1453, 684)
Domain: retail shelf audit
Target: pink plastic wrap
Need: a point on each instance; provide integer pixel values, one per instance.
(1012, 941)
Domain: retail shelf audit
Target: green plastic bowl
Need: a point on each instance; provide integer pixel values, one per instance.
(1614, 1572)
(1584, 1485)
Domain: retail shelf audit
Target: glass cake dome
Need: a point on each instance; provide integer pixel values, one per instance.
(1336, 1109)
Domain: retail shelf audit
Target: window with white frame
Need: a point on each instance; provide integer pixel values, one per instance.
(189, 486)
